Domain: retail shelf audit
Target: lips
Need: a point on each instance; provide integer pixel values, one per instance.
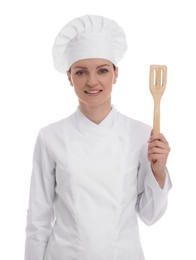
(93, 91)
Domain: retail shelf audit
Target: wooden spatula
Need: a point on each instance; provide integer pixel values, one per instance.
(158, 78)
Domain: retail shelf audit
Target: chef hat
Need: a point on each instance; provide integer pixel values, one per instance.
(89, 36)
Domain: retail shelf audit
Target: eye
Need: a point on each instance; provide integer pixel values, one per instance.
(80, 72)
(103, 71)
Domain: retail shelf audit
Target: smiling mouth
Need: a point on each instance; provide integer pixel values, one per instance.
(92, 92)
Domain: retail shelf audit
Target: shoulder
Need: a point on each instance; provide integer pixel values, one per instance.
(59, 127)
(134, 123)
(134, 128)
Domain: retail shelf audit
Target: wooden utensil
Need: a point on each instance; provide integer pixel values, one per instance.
(158, 78)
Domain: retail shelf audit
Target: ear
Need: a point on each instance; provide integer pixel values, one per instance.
(115, 75)
(69, 78)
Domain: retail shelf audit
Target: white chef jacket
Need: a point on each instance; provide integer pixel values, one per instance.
(88, 184)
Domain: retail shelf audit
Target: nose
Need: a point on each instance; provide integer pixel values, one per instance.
(92, 80)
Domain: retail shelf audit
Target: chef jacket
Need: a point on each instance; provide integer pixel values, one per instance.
(89, 182)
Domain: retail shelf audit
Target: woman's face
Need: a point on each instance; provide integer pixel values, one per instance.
(92, 80)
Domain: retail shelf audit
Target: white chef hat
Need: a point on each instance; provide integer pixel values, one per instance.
(89, 36)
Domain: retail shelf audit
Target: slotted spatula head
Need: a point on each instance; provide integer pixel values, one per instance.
(158, 78)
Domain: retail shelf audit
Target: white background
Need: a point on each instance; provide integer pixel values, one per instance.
(33, 94)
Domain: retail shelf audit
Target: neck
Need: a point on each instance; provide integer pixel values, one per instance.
(95, 113)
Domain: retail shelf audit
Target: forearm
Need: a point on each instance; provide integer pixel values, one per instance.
(160, 178)
(152, 201)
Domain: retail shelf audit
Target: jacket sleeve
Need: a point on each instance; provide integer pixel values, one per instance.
(40, 217)
(152, 199)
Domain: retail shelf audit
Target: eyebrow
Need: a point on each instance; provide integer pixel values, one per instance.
(102, 65)
(82, 67)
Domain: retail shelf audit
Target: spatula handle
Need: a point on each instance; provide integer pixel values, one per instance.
(156, 119)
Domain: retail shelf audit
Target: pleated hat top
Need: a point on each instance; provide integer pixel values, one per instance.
(89, 36)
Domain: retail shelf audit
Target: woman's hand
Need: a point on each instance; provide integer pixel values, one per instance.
(158, 151)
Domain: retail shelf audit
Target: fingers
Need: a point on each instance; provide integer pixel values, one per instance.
(158, 144)
(158, 151)
(157, 155)
(158, 148)
(159, 137)
(158, 161)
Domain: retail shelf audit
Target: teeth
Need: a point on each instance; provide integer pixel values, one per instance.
(92, 91)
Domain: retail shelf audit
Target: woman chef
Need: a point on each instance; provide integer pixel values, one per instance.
(96, 170)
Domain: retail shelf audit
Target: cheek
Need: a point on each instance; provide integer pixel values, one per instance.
(78, 89)
(76, 84)
(114, 79)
